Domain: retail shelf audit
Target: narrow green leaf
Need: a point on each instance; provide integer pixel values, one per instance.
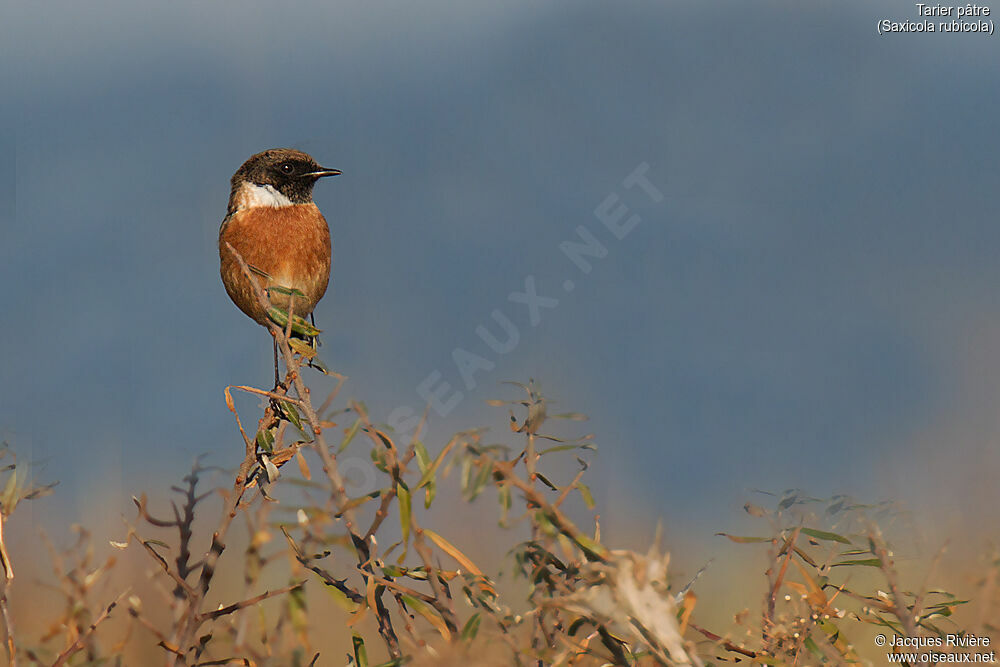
(429, 613)
(481, 480)
(824, 535)
(566, 448)
(423, 458)
(265, 440)
(429, 492)
(302, 347)
(544, 480)
(292, 414)
(854, 552)
(360, 653)
(588, 498)
(465, 476)
(287, 291)
(804, 556)
(471, 627)
(813, 648)
(405, 511)
(867, 562)
(744, 540)
(505, 503)
(590, 546)
(351, 432)
(360, 500)
(429, 473)
(299, 325)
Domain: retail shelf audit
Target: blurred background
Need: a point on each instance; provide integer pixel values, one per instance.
(812, 303)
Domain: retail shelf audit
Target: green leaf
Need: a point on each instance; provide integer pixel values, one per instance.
(429, 613)
(813, 648)
(824, 535)
(590, 546)
(565, 448)
(544, 480)
(423, 458)
(804, 556)
(318, 364)
(378, 458)
(854, 552)
(351, 432)
(588, 498)
(429, 492)
(302, 347)
(430, 472)
(471, 627)
(265, 440)
(405, 511)
(481, 480)
(299, 325)
(287, 291)
(744, 540)
(360, 653)
(465, 476)
(867, 562)
(505, 502)
(356, 502)
(949, 603)
(292, 414)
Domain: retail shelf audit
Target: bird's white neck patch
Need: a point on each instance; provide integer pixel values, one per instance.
(254, 195)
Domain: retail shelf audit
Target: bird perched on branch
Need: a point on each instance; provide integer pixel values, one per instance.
(273, 224)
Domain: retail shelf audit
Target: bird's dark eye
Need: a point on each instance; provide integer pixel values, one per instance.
(287, 168)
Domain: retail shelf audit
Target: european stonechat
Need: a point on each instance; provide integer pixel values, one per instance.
(279, 232)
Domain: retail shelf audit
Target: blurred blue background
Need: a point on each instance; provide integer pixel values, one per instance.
(813, 303)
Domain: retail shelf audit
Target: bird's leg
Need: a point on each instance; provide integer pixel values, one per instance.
(277, 380)
(313, 342)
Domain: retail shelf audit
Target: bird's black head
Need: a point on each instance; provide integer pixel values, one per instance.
(291, 173)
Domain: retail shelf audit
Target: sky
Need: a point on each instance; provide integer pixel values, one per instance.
(809, 300)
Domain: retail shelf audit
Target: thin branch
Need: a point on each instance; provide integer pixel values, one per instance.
(592, 550)
(725, 643)
(236, 606)
(80, 640)
(270, 394)
(185, 586)
(327, 578)
(447, 611)
(888, 569)
(8, 626)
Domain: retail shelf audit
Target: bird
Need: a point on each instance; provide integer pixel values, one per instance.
(277, 229)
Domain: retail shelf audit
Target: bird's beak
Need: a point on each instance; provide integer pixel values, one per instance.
(322, 172)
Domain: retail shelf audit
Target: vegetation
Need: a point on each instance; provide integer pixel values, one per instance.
(410, 594)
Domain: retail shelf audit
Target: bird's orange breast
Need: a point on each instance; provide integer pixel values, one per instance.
(287, 247)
